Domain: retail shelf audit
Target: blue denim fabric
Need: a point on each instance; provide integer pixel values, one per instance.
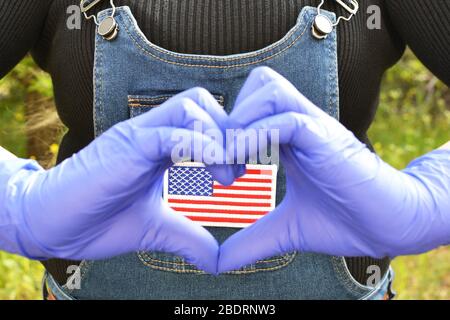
(132, 76)
(382, 291)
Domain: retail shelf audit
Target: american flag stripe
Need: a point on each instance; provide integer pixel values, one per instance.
(245, 192)
(243, 196)
(190, 191)
(245, 188)
(212, 210)
(238, 184)
(221, 203)
(253, 180)
(259, 171)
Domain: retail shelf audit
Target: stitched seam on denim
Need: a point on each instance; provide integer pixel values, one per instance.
(99, 87)
(290, 257)
(150, 105)
(146, 52)
(202, 272)
(97, 121)
(334, 76)
(337, 266)
(225, 59)
(348, 284)
(136, 102)
(144, 257)
(144, 260)
(185, 264)
(138, 105)
(283, 258)
(330, 76)
(85, 266)
(157, 98)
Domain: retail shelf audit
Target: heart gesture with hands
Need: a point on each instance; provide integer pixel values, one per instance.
(341, 198)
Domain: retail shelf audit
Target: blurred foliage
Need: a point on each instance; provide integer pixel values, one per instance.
(20, 278)
(413, 118)
(414, 113)
(25, 80)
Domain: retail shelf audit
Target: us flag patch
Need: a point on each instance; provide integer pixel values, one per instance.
(190, 190)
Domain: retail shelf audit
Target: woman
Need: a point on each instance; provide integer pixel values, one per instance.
(218, 28)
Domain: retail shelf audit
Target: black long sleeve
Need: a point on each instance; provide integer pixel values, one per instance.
(425, 27)
(21, 24)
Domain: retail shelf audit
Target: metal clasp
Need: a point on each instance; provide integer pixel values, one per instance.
(352, 10)
(323, 26)
(87, 5)
(108, 28)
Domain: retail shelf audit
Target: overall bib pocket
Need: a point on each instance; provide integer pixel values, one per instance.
(139, 104)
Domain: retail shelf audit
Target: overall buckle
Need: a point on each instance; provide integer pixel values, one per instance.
(108, 28)
(87, 5)
(351, 8)
(323, 26)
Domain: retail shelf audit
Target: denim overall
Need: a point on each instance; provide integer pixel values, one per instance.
(132, 76)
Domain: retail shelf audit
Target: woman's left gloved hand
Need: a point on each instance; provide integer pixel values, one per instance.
(341, 198)
(106, 200)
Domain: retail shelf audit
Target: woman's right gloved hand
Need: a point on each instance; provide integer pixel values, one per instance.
(106, 200)
(341, 198)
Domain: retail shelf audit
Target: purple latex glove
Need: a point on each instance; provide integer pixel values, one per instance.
(341, 198)
(106, 199)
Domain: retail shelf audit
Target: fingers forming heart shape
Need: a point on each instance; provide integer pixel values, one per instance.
(334, 191)
(281, 107)
(118, 178)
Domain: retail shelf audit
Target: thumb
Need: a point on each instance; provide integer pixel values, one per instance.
(269, 236)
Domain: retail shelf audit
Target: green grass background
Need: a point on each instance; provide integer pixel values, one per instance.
(413, 118)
